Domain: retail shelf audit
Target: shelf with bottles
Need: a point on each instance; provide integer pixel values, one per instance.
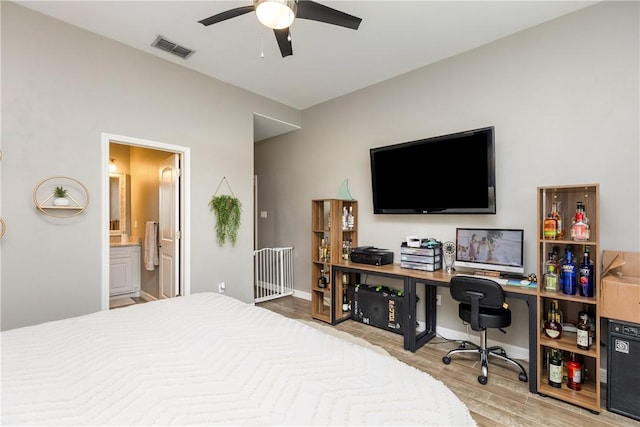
(564, 203)
(586, 394)
(344, 292)
(333, 234)
(572, 318)
(572, 276)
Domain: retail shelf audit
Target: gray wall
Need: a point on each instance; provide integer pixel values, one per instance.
(563, 97)
(62, 87)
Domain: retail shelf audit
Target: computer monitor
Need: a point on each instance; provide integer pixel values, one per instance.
(493, 249)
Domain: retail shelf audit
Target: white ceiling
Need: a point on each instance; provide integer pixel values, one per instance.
(328, 61)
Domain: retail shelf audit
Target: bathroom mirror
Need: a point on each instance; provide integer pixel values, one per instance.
(119, 203)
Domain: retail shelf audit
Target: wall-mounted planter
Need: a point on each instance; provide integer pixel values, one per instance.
(74, 201)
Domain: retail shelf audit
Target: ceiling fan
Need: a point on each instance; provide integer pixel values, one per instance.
(279, 14)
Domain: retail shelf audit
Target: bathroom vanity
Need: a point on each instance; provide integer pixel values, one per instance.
(124, 269)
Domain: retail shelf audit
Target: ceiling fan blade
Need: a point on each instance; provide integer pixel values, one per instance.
(282, 36)
(231, 13)
(308, 9)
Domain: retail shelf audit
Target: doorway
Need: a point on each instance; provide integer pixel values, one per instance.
(137, 149)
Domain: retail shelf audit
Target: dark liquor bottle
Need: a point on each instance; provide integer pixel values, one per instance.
(346, 306)
(555, 369)
(582, 333)
(569, 277)
(345, 301)
(552, 327)
(586, 275)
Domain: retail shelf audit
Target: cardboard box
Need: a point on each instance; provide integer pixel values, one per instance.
(620, 286)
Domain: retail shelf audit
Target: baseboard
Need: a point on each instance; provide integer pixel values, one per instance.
(302, 295)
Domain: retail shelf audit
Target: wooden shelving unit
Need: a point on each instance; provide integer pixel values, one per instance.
(326, 223)
(570, 305)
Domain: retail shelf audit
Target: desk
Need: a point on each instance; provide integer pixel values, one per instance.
(431, 280)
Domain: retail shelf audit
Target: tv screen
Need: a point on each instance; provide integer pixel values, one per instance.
(448, 174)
(491, 249)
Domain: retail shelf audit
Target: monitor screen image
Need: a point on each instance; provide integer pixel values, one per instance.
(490, 249)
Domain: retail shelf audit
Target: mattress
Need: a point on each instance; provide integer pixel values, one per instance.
(208, 359)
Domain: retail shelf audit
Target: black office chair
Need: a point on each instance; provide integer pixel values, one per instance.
(482, 306)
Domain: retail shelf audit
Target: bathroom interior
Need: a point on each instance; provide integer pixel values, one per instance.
(133, 202)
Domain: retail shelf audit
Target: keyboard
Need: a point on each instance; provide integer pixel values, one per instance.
(502, 281)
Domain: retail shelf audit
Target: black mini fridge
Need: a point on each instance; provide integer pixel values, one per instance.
(623, 369)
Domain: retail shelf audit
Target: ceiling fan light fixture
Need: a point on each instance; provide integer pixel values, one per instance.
(275, 14)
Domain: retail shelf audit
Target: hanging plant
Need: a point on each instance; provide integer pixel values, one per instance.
(227, 210)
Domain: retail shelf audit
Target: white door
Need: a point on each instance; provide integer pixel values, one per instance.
(168, 232)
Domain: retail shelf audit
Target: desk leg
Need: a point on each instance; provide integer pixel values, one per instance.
(413, 341)
(410, 316)
(533, 345)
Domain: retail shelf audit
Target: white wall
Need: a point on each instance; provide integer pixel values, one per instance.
(62, 87)
(563, 97)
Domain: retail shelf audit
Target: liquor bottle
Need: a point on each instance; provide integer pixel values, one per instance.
(580, 229)
(550, 227)
(574, 372)
(552, 327)
(569, 275)
(322, 280)
(556, 212)
(351, 220)
(559, 266)
(345, 215)
(555, 369)
(345, 300)
(582, 335)
(581, 208)
(321, 250)
(345, 251)
(585, 275)
(550, 276)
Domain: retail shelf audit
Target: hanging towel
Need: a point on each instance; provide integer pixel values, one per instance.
(150, 245)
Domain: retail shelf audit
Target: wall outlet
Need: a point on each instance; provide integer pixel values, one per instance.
(438, 299)
(221, 287)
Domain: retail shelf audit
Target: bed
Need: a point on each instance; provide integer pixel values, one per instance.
(208, 359)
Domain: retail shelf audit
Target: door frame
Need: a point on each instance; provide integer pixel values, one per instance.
(184, 223)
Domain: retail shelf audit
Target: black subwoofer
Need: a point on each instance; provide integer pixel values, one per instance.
(623, 369)
(378, 306)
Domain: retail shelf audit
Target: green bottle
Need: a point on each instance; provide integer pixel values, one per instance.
(555, 369)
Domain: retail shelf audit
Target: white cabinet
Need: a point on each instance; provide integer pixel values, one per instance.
(124, 270)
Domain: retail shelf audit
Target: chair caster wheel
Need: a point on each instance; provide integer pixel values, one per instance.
(446, 360)
(523, 377)
(482, 379)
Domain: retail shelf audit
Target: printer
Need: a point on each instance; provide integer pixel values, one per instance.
(371, 255)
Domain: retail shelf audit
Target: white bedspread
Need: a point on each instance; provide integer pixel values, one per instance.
(208, 359)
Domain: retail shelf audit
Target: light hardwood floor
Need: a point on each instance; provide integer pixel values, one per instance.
(504, 401)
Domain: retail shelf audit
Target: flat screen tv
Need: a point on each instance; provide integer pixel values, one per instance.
(448, 174)
(493, 249)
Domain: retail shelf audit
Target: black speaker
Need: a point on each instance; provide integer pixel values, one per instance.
(378, 306)
(623, 369)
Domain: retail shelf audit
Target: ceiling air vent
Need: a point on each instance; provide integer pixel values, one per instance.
(164, 44)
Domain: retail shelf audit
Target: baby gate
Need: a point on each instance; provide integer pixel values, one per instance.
(273, 273)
